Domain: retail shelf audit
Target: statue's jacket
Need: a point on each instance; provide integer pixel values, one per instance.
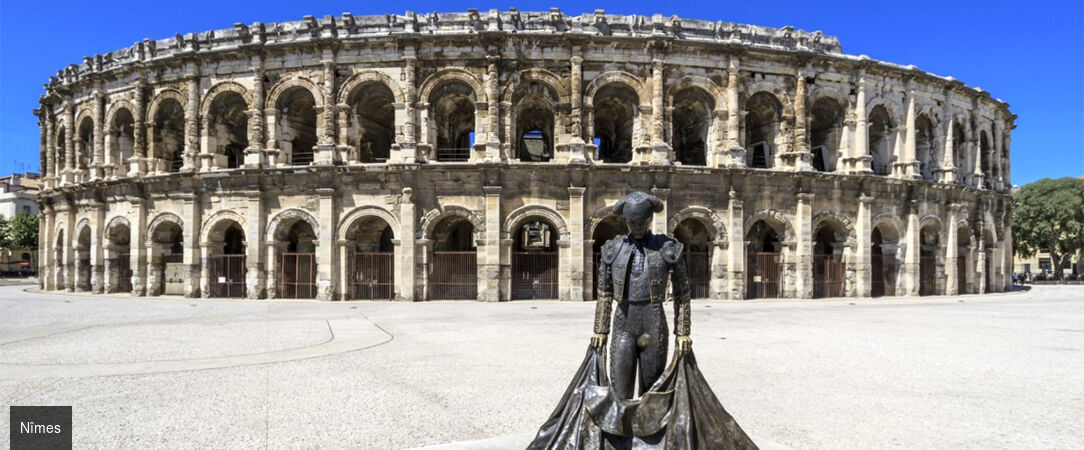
(663, 260)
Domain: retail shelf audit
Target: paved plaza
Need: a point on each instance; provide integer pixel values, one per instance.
(997, 371)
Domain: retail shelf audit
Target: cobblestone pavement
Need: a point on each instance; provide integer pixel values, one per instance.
(998, 371)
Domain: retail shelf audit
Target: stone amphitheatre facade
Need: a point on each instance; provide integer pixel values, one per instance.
(476, 155)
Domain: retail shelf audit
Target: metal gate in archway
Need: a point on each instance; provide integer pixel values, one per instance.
(534, 275)
(699, 268)
(827, 276)
(927, 275)
(883, 271)
(764, 272)
(454, 275)
(297, 275)
(124, 272)
(961, 275)
(373, 276)
(228, 276)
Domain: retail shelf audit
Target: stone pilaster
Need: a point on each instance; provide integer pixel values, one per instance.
(408, 143)
(325, 149)
(577, 250)
(256, 140)
(951, 254)
(860, 160)
(191, 123)
(137, 163)
(799, 157)
(661, 153)
(137, 217)
(489, 256)
(803, 235)
(735, 222)
(255, 254)
(947, 172)
(97, 249)
(863, 283)
(492, 144)
(908, 166)
(192, 216)
(659, 221)
(577, 147)
(69, 144)
(717, 284)
(404, 278)
(734, 147)
(325, 248)
(50, 170)
(911, 252)
(97, 158)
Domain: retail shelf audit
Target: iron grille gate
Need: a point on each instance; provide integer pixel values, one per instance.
(961, 275)
(454, 276)
(883, 268)
(827, 276)
(534, 275)
(124, 272)
(927, 275)
(297, 277)
(763, 277)
(228, 276)
(699, 273)
(373, 277)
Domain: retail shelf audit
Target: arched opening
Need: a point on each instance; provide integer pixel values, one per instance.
(963, 254)
(84, 145)
(297, 259)
(828, 246)
(696, 239)
(228, 130)
(985, 159)
(122, 141)
(926, 147)
(881, 140)
(763, 114)
(372, 123)
(297, 131)
(535, 261)
(927, 264)
(534, 124)
(452, 115)
(120, 261)
(82, 260)
(58, 260)
(227, 260)
(884, 242)
(959, 149)
(615, 108)
(764, 262)
(167, 135)
(167, 272)
(454, 271)
(825, 132)
(61, 152)
(691, 122)
(372, 274)
(609, 228)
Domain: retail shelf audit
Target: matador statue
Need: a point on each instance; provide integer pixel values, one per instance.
(673, 408)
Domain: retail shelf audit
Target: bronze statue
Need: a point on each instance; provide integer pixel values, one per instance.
(673, 408)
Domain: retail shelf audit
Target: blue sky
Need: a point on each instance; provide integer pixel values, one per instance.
(1030, 54)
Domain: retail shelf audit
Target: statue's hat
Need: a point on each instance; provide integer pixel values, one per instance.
(638, 206)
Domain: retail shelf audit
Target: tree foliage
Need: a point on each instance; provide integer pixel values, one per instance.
(23, 231)
(5, 234)
(1048, 216)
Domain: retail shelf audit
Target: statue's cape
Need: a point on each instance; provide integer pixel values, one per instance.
(679, 412)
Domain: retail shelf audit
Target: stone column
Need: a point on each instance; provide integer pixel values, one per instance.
(254, 253)
(137, 217)
(408, 146)
(205, 275)
(208, 148)
(256, 139)
(191, 123)
(136, 164)
(404, 277)
(863, 259)
(717, 284)
(325, 248)
(577, 249)
(948, 163)
(803, 234)
(577, 145)
(489, 256)
(69, 247)
(46, 242)
(345, 264)
(155, 277)
(736, 254)
(908, 166)
(325, 150)
(192, 216)
(97, 249)
(800, 156)
(69, 143)
(271, 152)
(980, 267)
(97, 161)
(493, 144)
(734, 146)
(952, 276)
(860, 158)
(911, 252)
(50, 151)
(111, 273)
(273, 249)
(660, 219)
(660, 150)
(977, 175)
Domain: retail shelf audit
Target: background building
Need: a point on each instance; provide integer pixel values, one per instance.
(478, 154)
(18, 194)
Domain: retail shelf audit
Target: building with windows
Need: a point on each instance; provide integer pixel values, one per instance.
(18, 195)
(477, 155)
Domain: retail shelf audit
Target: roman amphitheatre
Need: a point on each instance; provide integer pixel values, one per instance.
(476, 155)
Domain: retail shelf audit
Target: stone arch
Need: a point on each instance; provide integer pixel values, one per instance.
(891, 222)
(988, 227)
(163, 95)
(115, 107)
(556, 87)
(285, 85)
(936, 221)
(115, 222)
(698, 82)
(521, 214)
(161, 218)
(445, 75)
(213, 227)
(707, 217)
(837, 219)
(365, 77)
(82, 114)
(618, 77)
(80, 225)
(771, 88)
(222, 88)
(361, 213)
(893, 108)
(830, 92)
(597, 217)
(59, 229)
(774, 219)
(279, 225)
(430, 220)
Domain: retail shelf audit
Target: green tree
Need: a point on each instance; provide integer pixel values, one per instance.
(1048, 216)
(5, 233)
(23, 231)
